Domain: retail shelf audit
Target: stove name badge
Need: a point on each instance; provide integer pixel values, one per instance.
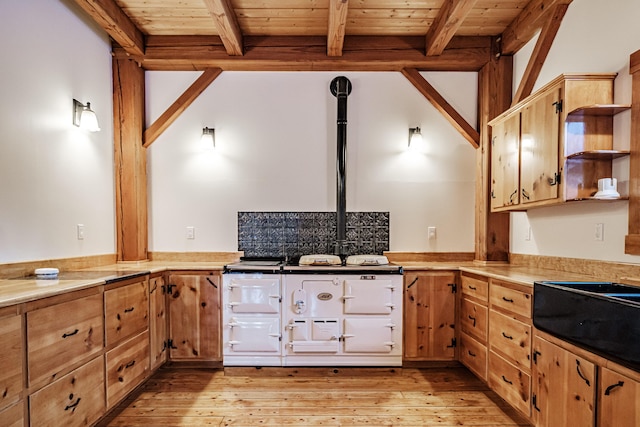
(325, 296)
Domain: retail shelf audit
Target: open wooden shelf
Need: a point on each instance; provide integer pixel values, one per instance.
(598, 155)
(599, 110)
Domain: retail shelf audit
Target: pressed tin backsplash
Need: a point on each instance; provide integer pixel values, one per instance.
(276, 234)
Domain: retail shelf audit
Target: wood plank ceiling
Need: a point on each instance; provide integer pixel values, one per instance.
(322, 35)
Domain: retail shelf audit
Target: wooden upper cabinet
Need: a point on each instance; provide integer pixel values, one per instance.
(539, 139)
(555, 145)
(505, 160)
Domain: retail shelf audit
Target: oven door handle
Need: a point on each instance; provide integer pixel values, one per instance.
(348, 297)
(390, 305)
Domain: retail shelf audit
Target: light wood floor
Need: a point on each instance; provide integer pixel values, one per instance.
(315, 396)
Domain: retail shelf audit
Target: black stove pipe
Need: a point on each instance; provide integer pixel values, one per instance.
(341, 88)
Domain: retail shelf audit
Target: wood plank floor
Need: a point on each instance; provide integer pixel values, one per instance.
(314, 397)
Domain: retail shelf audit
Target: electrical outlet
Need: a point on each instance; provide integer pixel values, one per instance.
(431, 233)
(191, 232)
(80, 231)
(599, 232)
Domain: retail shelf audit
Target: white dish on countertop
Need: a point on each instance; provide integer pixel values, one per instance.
(47, 273)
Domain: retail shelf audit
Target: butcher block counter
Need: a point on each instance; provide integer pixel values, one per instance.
(20, 290)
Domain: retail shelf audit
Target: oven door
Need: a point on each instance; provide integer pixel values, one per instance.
(254, 334)
(368, 296)
(253, 295)
(368, 335)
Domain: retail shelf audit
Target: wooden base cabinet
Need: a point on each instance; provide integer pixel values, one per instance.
(76, 399)
(564, 387)
(194, 317)
(11, 359)
(618, 400)
(127, 366)
(429, 316)
(473, 319)
(157, 322)
(14, 415)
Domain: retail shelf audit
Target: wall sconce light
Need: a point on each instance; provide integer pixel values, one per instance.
(415, 136)
(84, 117)
(208, 138)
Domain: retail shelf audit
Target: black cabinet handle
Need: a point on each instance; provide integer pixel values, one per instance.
(509, 337)
(72, 406)
(607, 392)
(506, 380)
(211, 282)
(70, 334)
(515, 193)
(412, 283)
(128, 310)
(130, 364)
(507, 299)
(474, 320)
(471, 353)
(473, 288)
(580, 373)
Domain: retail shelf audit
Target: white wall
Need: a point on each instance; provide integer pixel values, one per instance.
(276, 145)
(595, 36)
(52, 175)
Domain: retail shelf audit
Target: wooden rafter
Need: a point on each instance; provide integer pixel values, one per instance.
(540, 52)
(451, 16)
(450, 113)
(337, 23)
(526, 25)
(181, 104)
(108, 15)
(227, 24)
(310, 54)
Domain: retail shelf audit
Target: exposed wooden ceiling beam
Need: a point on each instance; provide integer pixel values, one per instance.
(451, 16)
(309, 54)
(540, 52)
(182, 103)
(227, 25)
(108, 15)
(337, 23)
(526, 25)
(466, 130)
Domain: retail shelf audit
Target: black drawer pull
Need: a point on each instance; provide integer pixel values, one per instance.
(506, 380)
(128, 310)
(507, 299)
(130, 364)
(580, 373)
(474, 320)
(211, 282)
(70, 334)
(72, 406)
(412, 283)
(509, 337)
(473, 288)
(471, 353)
(607, 392)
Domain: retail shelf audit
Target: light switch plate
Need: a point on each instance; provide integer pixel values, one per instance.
(191, 232)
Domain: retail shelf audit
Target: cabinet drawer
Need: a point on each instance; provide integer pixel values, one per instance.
(510, 337)
(62, 335)
(11, 360)
(473, 355)
(475, 287)
(473, 319)
(126, 311)
(127, 366)
(13, 416)
(513, 385)
(76, 399)
(509, 299)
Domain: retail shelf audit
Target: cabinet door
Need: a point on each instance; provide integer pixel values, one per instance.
(505, 163)
(539, 145)
(11, 360)
(157, 322)
(563, 387)
(126, 311)
(618, 400)
(57, 340)
(76, 399)
(194, 317)
(429, 316)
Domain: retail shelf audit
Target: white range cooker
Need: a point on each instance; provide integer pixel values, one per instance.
(317, 312)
